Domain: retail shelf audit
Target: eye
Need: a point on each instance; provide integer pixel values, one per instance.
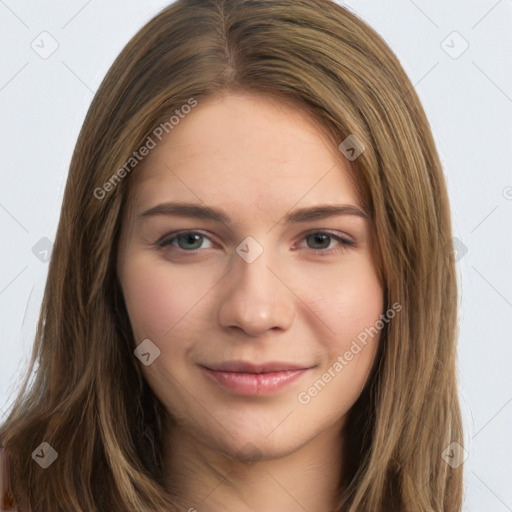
(321, 242)
(186, 240)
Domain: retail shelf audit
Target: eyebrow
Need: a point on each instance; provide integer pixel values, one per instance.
(197, 211)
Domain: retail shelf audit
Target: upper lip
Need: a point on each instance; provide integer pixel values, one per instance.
(247, 367)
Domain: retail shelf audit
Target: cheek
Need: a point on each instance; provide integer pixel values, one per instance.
(351, 309)
(359, 306)
(347, 303)
(156, 299)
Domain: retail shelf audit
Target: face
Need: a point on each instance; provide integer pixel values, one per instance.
(255, 307)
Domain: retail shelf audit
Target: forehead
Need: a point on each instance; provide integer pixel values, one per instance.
(245, 149)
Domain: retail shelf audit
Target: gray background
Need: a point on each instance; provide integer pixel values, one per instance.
(468, 100)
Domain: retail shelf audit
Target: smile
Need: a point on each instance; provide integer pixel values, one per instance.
(254, 383)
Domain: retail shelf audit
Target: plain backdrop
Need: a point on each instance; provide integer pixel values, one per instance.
(458, 56)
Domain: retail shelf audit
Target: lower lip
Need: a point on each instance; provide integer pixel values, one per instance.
(254, 384)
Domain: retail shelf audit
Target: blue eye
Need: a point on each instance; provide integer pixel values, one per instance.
(320, 238)
(323, 237)
(184, 240)
(320, 242)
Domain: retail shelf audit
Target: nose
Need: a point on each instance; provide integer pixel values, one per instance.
(256, 300)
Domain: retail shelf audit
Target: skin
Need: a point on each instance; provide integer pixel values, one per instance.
(200, 303)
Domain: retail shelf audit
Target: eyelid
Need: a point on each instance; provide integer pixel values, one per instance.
(169, 236)
(163, 241)
(345, 242)
(334, 233)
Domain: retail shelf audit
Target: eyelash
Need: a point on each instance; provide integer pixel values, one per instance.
(345, 244)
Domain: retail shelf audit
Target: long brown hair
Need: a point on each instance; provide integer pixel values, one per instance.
(88, 399)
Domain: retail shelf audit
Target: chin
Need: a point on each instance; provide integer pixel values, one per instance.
(257, 444)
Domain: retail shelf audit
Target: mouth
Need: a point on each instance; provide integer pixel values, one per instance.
(245, 378)
(248, 367)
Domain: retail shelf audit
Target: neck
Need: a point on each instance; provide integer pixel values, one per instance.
(205, 480)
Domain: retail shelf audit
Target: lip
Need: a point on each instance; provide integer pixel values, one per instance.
(251, 379)
(248, 367)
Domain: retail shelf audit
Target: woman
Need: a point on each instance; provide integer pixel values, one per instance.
(258, 369)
